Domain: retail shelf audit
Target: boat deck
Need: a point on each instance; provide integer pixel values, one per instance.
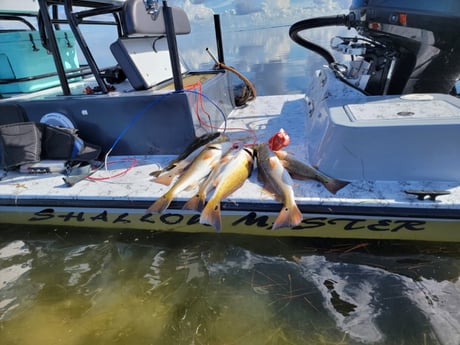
(126, 186)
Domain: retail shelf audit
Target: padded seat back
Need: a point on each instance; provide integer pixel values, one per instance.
(143, 52)
(137, 21)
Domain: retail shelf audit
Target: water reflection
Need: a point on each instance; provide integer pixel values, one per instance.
(268, 57)
(81, 286)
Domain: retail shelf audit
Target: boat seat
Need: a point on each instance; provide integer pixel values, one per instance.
(143, 52)
(137, 22)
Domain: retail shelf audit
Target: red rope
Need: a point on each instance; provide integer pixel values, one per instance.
(121, 173)
(199, 104)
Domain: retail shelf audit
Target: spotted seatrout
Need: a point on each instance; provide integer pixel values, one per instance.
(303, 171)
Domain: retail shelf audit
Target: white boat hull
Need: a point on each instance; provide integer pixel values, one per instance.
(120, 196)
(256, 223)
(398, 154)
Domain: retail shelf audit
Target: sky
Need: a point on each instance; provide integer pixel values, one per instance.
(258, 12)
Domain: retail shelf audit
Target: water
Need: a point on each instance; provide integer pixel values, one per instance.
(266, 56)
(75, 286)
(83, 286)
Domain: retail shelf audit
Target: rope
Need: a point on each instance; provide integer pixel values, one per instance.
(247, 95)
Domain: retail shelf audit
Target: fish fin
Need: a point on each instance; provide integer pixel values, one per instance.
(288, 217)
(211, 215)
(281, 154)
(164, 179)
(195, 203)
(191, 186)
(158, 172)
(335, 185)
(225, 159)
(216, 181)
(161, 204)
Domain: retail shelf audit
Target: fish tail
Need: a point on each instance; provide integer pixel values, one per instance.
(195, 203)
(334, 186)
(288, 217)
(164, 179)
(211, 215)
(161, 204)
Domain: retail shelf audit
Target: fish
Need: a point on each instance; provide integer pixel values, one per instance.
(304, 171)
(180, 164)
(277, 180)
(201, 166)
(166, 177)
(231, 177)
(198, 143)
(197, 202)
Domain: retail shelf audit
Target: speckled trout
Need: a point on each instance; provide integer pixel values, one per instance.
(303, 171)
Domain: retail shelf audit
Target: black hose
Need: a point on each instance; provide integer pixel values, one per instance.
(312, 23)
(316, 23)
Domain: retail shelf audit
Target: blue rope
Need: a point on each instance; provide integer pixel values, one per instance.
(136, 117)
(154, 102)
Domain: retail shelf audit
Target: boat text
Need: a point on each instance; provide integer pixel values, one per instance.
(251, 219)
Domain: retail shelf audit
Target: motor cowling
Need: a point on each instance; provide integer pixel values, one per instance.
(407, 47)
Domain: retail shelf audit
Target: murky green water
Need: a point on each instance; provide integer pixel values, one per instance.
(78, 286)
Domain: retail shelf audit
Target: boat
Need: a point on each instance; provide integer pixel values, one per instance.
(80, 143)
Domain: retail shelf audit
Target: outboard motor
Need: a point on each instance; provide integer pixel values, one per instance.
(404, 46)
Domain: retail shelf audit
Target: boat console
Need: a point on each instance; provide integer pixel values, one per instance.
(143, 88)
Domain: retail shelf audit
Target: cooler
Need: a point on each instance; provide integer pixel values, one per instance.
(23, 56)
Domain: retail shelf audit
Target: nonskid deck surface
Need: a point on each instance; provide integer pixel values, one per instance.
(126, 179)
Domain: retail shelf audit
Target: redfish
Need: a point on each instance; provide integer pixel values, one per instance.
(232, 176)
(277, 180)
(198, 169)
(178, 165)
(198, 143)
(197, 202)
